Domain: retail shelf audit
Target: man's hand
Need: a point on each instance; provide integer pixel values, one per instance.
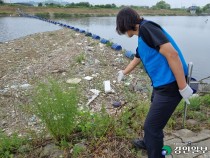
(120, 76)
(186, 93)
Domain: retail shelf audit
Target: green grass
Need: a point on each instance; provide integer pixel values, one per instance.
(62, 15)
(80, 58)
(197, 110)
(77, 150)
(4, 14)
(68, 15)
(205, 100)
(9, 145)
(43, 15)
(130, 96)
(57, 108)
(131, 120)
(95, 125)
(82, 131)
(109, 44)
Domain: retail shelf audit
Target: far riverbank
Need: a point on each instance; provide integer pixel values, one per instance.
(7, 10)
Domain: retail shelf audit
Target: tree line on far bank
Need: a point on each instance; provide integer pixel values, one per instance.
(159, 5)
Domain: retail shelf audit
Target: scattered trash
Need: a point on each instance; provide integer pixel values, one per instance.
(79, 44)
(120, 55)
(25, 86)
(96, 94)
(89, 78)
(58, 57)
(107, 87)
(116, 104)
(90, 48)
(14, 87)
(95, 91)
(97, 61)
(94, 75)
(58, 71)
(73, 81)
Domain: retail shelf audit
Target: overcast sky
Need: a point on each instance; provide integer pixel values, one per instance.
(173, 3)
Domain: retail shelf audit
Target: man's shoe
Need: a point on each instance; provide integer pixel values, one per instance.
(139, 144)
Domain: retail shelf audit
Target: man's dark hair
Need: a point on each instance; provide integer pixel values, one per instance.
(127, 19)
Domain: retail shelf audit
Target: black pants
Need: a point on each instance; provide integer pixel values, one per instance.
(164, 102)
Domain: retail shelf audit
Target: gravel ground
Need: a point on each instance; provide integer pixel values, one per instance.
(63, 55)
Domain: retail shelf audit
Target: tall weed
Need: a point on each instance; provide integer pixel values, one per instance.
(57, 108)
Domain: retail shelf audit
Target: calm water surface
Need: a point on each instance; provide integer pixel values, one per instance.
(16, 27)
(191, 33)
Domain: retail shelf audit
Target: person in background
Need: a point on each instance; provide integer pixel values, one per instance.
(167, 69)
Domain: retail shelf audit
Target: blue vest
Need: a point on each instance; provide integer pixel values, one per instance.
(156, 64)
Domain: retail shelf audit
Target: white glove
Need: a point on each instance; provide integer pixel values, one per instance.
(186, 93)
(120, 75)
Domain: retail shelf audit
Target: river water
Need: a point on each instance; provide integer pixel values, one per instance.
(192, 34)
(16, 27)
